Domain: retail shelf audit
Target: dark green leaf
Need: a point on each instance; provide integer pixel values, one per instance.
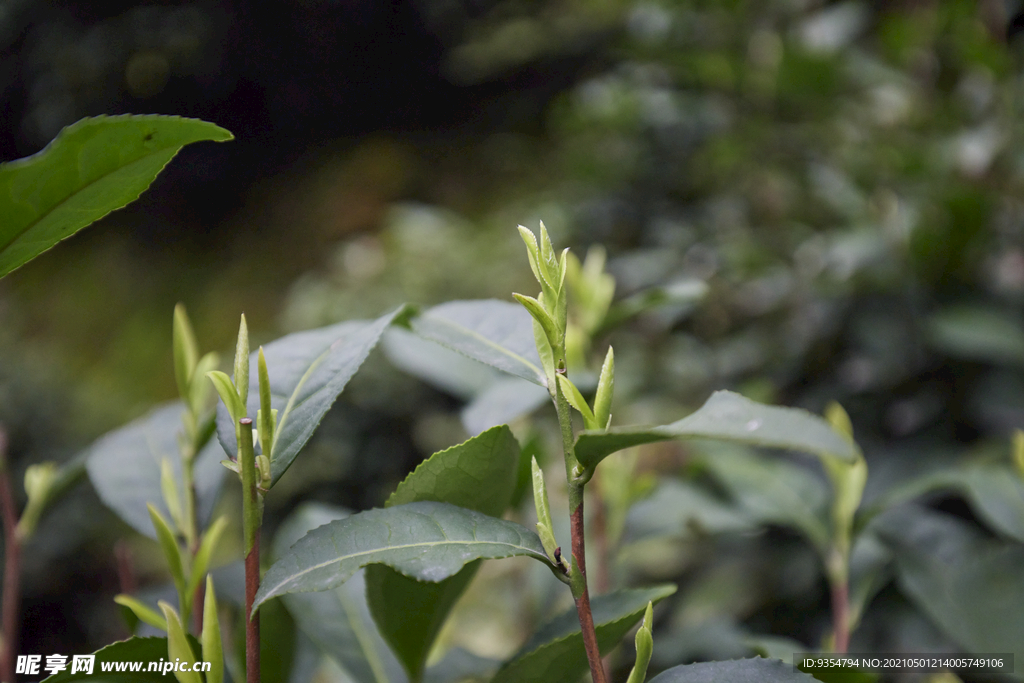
(125, 652)
(995, 492)
(497, 333)
(480, 475)
(308, 370)
(91, 168)
(427, 541)
(409, 613)
(978, 334)
(338, 621)
(124, 467)
(555, 652)
(772, 491)
(970, 585)
(755, 670)
(730, 417)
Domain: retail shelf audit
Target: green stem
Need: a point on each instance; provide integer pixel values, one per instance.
(577, 479)
(251, 521)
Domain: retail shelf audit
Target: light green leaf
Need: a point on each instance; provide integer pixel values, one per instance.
(542, 317)
(124, 467)
(497, 333)
(144, 612)
(480, 475)
(338, 621)
(178, 646)
(308, 370)
(730, 417)
(213, 648)
(427, 541)
(199, 392)
(122, 653)
(169, 489)
(555, 652)
(240, 376)
(228, 393)
(172, 553)
(532, 251)
(186, 350)
(735, 671)
(644, 643)
(576, 400)
(91, 168)
(201, 561)
(605, 390)
(970, 585)
(545, 529)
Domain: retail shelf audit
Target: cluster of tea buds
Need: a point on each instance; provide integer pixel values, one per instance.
(234, 392)
(549, 308)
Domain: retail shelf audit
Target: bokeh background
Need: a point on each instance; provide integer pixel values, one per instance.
(845, 177)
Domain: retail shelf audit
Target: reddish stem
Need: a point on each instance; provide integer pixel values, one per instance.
(583, 600)
(198, 601)
(12, 566)
(252, 626)
(125, 568)
(840, 616)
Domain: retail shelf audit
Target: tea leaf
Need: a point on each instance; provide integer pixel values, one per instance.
(970, 585)
(338, 621)
(480, 475)
(131, 650)
(502, 402)
(124, 467)
(555, 652)
(308, 370)
(497, 333)
(427, 541)
(91, 168)
(730, 417)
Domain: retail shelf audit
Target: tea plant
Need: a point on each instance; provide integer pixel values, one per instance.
(92, 168)
(373, 589)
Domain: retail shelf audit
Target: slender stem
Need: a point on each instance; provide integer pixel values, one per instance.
(578, 571)
(125, 568)
(198, 600)
(251, 520)
(581, 595)
(12, 569)
(252, 625)
(599, 534)
(839, 583)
